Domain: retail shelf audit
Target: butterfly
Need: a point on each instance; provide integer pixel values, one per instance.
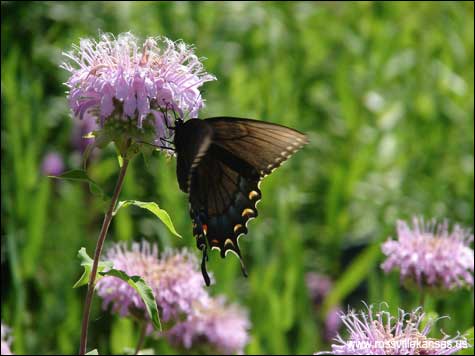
(220, 163)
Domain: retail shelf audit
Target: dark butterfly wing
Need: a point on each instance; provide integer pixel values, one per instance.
(264, 146)
(223, 195)
(191, 143)
(222, 174)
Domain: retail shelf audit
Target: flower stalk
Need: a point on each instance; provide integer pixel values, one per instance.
(97, 255)
(127, 89)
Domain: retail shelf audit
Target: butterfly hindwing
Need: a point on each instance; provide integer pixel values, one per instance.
(225, 200)
(220, 162)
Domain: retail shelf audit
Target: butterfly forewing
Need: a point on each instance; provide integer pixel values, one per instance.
(265, 146)
(220, 164)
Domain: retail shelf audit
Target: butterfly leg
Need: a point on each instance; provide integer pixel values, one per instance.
(157, 146)
(164, 142)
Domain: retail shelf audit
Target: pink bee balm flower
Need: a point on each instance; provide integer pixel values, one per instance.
(122, 80)
(213, 324)
(380, 333)
(431, 255)
(174, 279)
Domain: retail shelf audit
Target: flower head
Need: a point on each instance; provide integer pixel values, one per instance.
(380, 333)
(174, 279)
(213, 324)
(53, 164)
(431, 255)
(6, 340)
(135, 85)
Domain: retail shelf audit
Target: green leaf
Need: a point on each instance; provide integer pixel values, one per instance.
(93, 352)
(144, 291)
(81, 176)
(152, 207)
(352, 276)
(87, 262)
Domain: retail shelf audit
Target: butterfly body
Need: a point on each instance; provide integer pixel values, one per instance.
(220, 163)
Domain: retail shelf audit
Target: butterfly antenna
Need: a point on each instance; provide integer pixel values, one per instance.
(203, 265)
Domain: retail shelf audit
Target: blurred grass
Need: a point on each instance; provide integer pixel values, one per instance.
(384, 90)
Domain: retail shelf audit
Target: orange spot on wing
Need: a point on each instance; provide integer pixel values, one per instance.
(237, 227)
(253, 194)
(205, 229)
(246, 212)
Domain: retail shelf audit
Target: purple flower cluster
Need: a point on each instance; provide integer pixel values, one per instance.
(180, 285)
(174, 279)
(380, 333)
(431, 255)
(181, 296)
(120, 79)
(223, 327)
(6, 340)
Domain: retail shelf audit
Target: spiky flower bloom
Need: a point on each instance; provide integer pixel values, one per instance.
(133, 87)
(431, 255)
(6, 340)
(380, 333)
(213, 326)
(52, 164)
(174, 279)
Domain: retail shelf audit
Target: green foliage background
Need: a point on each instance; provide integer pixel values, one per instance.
(384, 90)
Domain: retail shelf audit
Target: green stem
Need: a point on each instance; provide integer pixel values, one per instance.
(143, 331)
(97, 255)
